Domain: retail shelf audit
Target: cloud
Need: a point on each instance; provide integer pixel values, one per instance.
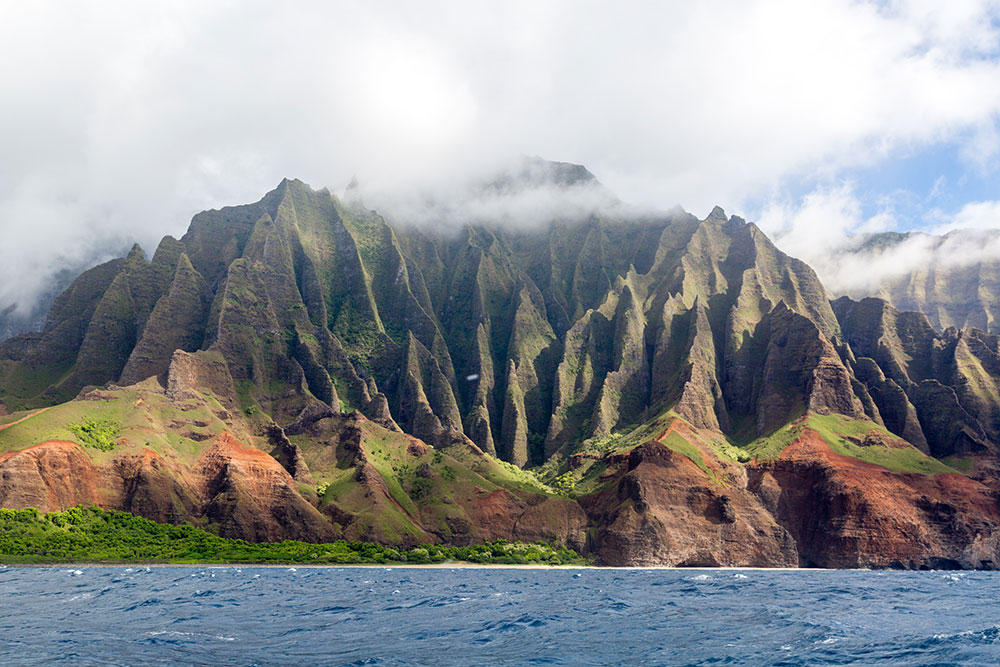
(121, 119)
(974, 215)
(829, 232)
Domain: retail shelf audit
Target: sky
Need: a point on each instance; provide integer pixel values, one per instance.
(819, 120)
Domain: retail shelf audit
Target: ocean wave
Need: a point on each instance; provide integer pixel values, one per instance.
(170, 616)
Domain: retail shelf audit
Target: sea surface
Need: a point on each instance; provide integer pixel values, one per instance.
(394, 616)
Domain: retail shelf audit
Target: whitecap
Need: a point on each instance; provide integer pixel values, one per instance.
(177, 633)
(701, 577)
(740, 576)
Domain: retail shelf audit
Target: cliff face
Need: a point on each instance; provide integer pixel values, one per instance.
(683, 389)
(524, 343)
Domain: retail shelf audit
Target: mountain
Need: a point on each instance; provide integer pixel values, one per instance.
(15, 320)
(954, 279)
(651, 389)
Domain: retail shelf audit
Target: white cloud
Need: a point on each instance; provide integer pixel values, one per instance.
(974, 215)
(829, 232)
(124, 119)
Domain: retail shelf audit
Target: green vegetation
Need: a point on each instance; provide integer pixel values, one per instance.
(841, 433)
(94, 535)
(960, 463)
(99, 434)
(676, 442)
(771, 445)
(732, 452)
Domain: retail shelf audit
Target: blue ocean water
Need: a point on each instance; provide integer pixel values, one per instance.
(393, 616)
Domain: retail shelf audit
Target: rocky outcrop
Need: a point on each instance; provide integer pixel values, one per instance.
(189, 374)
(842, 512)
(939, 391)
(50, 476)
(502, 515)
(249, 495)
(660, 509)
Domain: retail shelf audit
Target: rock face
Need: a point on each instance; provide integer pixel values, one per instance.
(319, 372)
(938, 391)
(49, 476)
(845, 513)
(658, 510)
(240, 488)
(251, 496)
(522, 342)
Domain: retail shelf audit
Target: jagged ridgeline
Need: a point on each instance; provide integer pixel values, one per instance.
(531, 342)
(525, 342)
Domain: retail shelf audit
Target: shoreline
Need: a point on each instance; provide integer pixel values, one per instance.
(427, 566)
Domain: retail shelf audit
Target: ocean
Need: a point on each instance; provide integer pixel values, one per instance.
(484, 616)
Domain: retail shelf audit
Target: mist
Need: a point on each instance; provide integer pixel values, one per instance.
(122, 120)
(829, 232)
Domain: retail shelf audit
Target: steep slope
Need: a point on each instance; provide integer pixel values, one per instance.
(939, 391)
(523, 342)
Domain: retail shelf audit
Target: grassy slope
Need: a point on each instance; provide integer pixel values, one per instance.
(147, 419)
(844, 436)
(182, 432)
(426, 489)
(703, 448)
(838, 432)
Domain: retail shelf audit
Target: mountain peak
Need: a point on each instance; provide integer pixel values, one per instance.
(534, 172)
(136, 252)
(352, 194)
(717, 214)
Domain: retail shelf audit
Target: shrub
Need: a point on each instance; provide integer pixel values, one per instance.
(421, 488)
(99, 434)
(95, 535)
